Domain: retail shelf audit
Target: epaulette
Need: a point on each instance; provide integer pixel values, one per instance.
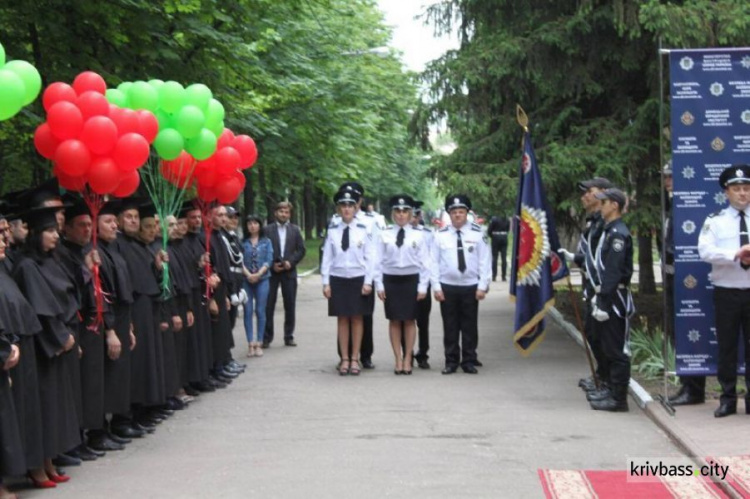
(718, 212)
(362, 226)
(444, 229)
(476, 227)
(418, 227)
(369, 215)
(333, 225)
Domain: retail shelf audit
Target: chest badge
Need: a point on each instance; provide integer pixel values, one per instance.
(414, 244)
(471, 249)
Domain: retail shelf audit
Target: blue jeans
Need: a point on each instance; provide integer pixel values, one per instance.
(257, 293)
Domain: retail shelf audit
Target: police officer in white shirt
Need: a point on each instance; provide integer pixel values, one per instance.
(401, 278)
(348, 270)
(461, 273)
(724, 243)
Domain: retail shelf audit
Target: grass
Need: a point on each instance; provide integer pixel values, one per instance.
(647, 357)
(311, 255)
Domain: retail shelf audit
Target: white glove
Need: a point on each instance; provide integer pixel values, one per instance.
(242, 295)
(600, 315)
(593, 302)
(235, 300)
(569, 257)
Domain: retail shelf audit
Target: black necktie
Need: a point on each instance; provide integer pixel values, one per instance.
(345, 239)
(744, 239)
(400, 237)
(461, 258)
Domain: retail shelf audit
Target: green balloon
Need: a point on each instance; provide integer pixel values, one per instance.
(156, 83)
(117, 97)
(198, 95)
(165, 119)
(124, 87)
(216, 128)
(30, 78)
(143, 96)
(202, 146)
(2, 55)
(171, 96)
(214, 112)
(169, 144)
(12, 93)
(189, 121)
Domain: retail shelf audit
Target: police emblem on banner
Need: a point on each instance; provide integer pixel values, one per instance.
(694, 335)
(716, 89)
(688, 226)
(745, 62)
(688, 172)
(745, 116)
(717, 144)
(687, 63)
(687, 118)
(720, 198)
(533, 246)
(690, 282)
(526, 162)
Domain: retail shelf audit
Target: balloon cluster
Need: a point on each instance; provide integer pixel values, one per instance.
(190, 119)
(220, 177)
(20, 84)
(91, 141)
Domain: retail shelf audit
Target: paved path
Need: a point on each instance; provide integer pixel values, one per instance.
(290, 427)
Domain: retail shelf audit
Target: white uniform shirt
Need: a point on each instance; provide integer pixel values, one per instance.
(444, 258)
(411, 258)
(718, 243)
(358, 260)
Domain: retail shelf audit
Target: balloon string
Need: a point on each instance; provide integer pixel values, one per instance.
(95, 202)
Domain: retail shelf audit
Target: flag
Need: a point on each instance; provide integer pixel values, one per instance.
(536, 263)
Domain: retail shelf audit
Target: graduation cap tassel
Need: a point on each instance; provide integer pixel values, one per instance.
(206, 208)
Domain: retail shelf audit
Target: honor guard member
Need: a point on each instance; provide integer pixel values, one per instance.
(585, 259)
(613, 303)
(724, 243)
(347, 272)
(424, 306)
(692, 388)
(461, 273)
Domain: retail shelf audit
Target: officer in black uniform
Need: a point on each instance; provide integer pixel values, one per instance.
(613, 304)
(498, 232)
(424, 307)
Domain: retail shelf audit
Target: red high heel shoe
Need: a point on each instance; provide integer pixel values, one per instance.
(44, 484)
(59, 478)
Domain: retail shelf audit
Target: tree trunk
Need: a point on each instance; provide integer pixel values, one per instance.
(307, 203)
(267, 199)
(249, 194)
(646, 281)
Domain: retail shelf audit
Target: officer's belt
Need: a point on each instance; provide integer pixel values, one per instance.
(598, 289)
(503, 233)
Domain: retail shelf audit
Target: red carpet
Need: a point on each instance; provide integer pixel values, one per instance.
(583, 484)
(739, 473)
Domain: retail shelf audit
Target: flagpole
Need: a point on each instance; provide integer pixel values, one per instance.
(574, 301)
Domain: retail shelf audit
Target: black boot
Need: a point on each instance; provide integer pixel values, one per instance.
(600, 394)
(617, 402)
(587, 384)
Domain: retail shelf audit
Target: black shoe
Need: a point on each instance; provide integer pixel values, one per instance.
(189, 390)
(236, 365)
(216, 383)
(423, 364)
(228, 374)
(92, 451)
(290, 343)
(105, 444)
(504, 279)
(204, 387)
(726, 409)
(140, 426)
(234, 370)
(175, 404)
(449, 370)
(587, 384)
(265, 345)
(600, 394)
(367, 364)
(610, 404)
(64, 460)
(687, 398)
(494, 278)
(84, 453)
(121, 433)
(477, 363)
(470, 369)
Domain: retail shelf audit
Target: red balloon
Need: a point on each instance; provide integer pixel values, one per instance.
(104, 176)
(125, 119)
(73, 158)
(207, 194)
(227, 192)
(148, 125)
(99, 134)
(92, 104)
(131, 151)
(225, 139)
(57, 92)
(227, 161)
(89, 81)
(67, 182)
(65, 120)
(241, 179)
(247, 149)
(129, 182)
(45, 142)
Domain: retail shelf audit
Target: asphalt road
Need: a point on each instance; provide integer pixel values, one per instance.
(292, 428)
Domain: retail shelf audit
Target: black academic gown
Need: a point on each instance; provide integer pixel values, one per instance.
(119, 291)
(20, 318)
(182, 301)
(199, 346)
(220, 324)
(146, 368)
(12, 460)
(167, 310)
(45, 283)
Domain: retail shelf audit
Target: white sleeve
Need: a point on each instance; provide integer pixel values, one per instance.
(378, 272)
(707, 247)
(424, 269)
(485, 266)
(370, 262)
(435, 264)
(325, 265)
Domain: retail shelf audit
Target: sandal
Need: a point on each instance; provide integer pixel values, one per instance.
(354, 367)
(343, 368)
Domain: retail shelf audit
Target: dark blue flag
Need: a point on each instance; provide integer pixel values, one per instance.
(536, 264)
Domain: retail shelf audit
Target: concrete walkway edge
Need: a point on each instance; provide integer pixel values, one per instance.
(653, 410)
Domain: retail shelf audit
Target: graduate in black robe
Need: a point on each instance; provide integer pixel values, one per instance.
(180, 268)
(219, 309)
(48, 288)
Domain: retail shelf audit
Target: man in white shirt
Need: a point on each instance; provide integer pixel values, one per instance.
(725, 244)
(461, 273)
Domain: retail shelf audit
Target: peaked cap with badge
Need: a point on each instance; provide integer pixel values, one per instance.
(736, 174)
(457, 201)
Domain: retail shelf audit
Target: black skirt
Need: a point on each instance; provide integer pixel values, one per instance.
(347, 299)
(401, 297)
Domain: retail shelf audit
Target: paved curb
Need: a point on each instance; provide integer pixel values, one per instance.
(653, 410)
(308, 272)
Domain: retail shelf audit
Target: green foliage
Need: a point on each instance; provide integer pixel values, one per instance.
(647, 358)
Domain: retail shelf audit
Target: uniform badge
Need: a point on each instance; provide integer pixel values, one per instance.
(706, 227)
(414, 244)
(456, 201)
(360, 243)
(618, 245)
(739, 173)
(347, 195)
(400, 200)
(471, 249)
